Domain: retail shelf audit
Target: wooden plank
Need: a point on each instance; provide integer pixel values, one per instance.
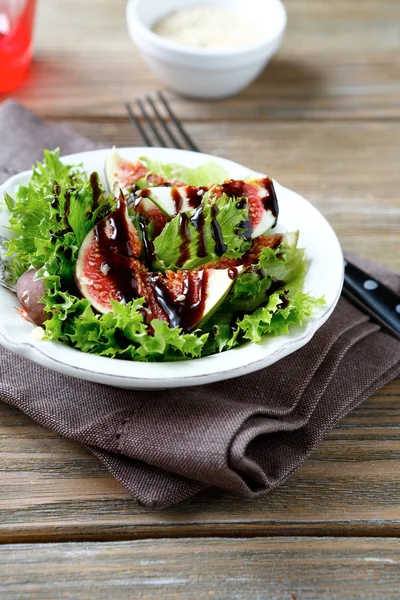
(53, 490)
(348, 170)
(339, 60)
(293, 568)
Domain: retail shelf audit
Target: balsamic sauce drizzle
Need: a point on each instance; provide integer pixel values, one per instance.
(198, 222)
(177, 198)
(193, 196)
(184, 234)
(96, 189)
(112, 235)
(185, 313)
(148, 246)
(220, 246)
(113, 239)
(270, 202)
(67, 205)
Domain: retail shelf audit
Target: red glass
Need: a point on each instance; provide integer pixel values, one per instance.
(16, 24)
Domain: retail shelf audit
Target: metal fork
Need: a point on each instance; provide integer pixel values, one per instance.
(5, 278)
(157, 122)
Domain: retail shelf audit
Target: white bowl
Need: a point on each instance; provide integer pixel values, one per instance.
(324, 277)
(200, 72)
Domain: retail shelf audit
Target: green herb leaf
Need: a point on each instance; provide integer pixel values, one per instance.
(222, 234)
(208, 174)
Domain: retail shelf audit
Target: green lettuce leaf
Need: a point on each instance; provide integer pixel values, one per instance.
(265, 300)
(281, 267)
(200, 244)
(279, 314)
(51, 215)
(119, 334)
(208, 174)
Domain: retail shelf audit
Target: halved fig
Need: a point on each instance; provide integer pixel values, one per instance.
(121, 174)
(187, 299)
(107, 268)
(107, 261)
(127, 173)
(260, 193)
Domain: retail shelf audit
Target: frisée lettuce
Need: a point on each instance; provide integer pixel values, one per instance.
(54, 214)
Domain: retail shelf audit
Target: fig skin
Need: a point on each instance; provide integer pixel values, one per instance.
(30, 292)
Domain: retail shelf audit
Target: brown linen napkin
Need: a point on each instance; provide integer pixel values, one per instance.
(247, 435)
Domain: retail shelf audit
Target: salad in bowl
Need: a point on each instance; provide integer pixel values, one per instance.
(165, 263)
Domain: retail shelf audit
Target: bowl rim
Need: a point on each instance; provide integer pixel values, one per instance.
(186, 373)
(135, 22)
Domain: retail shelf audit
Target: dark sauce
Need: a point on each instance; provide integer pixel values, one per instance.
(96, 189)
(232, 273)
(198, 222)
(220, 246)
(233, 188)
(245, 230)
(67, 205)
(112, 236)
(270, 202)
(184, 234)
(245, 227)
(148, 246)
(284, 300)
(276, 285)
(177, 198)
(193, 196)
(241, 204)
(188, 312)
(57, 191)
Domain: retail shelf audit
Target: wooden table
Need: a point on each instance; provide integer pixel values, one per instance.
(324, 119)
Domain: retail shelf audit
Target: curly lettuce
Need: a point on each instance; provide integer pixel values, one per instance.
(51, 215)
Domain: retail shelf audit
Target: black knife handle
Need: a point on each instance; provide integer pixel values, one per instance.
(379, 299)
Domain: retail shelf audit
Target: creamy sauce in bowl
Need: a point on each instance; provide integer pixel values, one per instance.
(211, 27)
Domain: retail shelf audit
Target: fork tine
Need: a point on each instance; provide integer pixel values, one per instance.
(138, 125)
(178, 124)
(151, 124)
(164, 123)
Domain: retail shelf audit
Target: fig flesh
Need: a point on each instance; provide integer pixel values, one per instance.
(108, 269)
(260, 193)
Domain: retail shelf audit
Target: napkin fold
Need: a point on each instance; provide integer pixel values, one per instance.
(247, 435)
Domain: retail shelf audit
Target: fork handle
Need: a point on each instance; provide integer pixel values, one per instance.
(381, 302)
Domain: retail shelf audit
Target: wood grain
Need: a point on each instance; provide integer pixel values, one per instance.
(323, 119)
(224, 569)
(339, 60)
(52, 489)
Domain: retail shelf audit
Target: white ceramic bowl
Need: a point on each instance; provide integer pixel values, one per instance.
(200, 72)
(324, 277)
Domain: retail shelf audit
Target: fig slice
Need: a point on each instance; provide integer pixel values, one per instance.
(260, 193)
(107, 261)
(121, 174)
(126, 173)
(187, 299)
